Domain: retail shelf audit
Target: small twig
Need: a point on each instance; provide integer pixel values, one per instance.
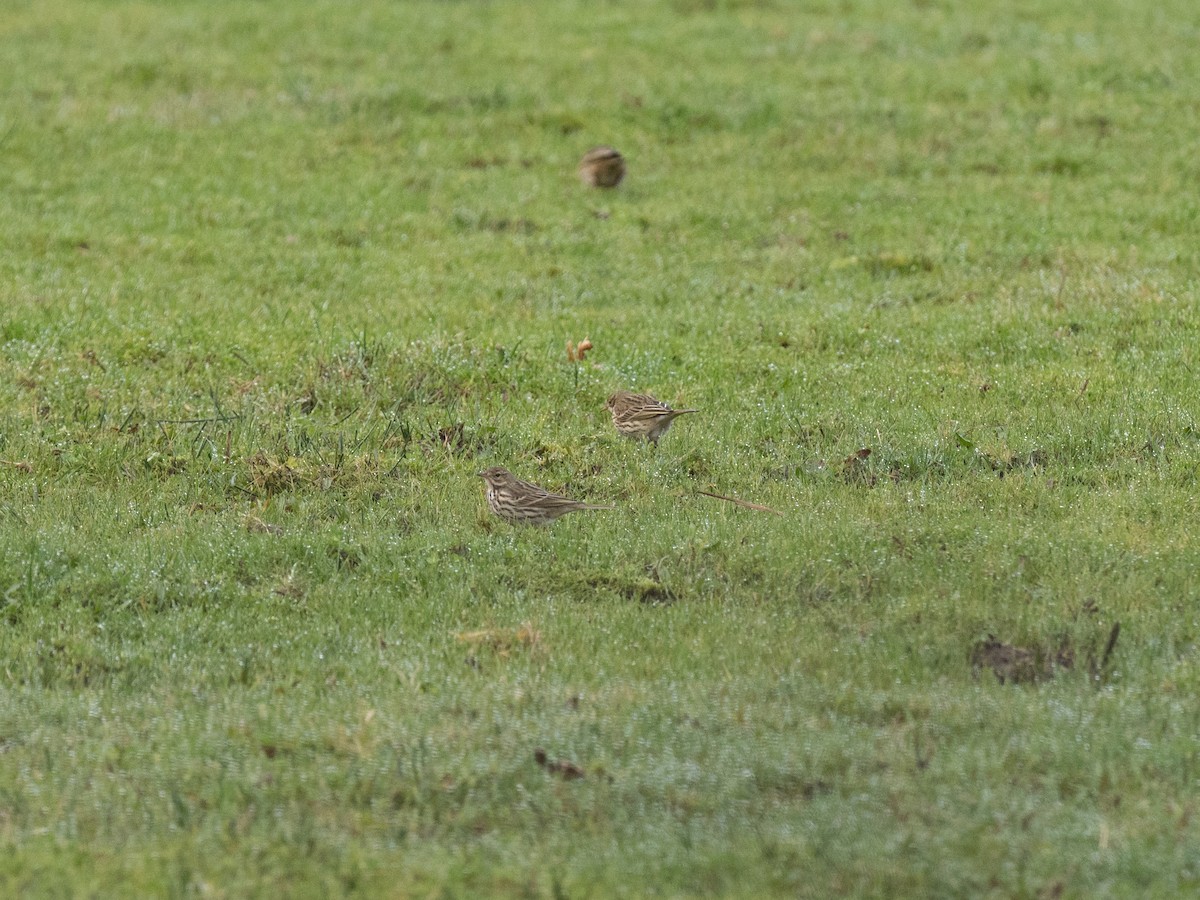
(205, 420)
(216, 401)
(238, 487)
(1110, 646)
(743, 503)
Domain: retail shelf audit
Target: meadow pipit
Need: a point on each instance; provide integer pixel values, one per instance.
(640, 416)
(602, 167)
(520, 502)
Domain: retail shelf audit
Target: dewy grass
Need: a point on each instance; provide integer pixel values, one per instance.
(278, 279)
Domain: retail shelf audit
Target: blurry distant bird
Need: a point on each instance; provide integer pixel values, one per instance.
(641, 416)
(520, 502)
(602, 167)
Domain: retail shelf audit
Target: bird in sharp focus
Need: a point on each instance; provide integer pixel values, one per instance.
(640, 416)
(523, 503)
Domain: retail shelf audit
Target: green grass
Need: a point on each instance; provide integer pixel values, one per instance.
(277, 279)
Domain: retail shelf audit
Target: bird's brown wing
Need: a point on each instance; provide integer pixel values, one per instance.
(641, 408)
(538, 498)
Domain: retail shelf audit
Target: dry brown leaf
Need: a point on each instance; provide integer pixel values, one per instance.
(577, 352)
(563, 768)
(854, 466)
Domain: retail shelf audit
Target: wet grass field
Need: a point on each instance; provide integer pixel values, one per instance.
(277, 280)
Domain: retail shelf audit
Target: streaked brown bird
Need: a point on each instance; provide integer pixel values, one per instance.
(602, 167)
(522, 503)
(640, 416)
